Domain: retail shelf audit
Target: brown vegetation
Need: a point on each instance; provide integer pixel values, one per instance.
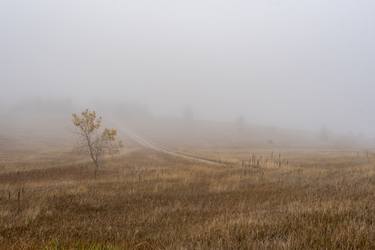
(148, 200)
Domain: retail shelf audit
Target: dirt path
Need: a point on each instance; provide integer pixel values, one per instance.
(151, 145)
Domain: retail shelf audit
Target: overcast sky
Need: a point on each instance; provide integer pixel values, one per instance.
(289, 63)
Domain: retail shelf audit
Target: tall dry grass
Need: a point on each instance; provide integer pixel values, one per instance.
(147, 200)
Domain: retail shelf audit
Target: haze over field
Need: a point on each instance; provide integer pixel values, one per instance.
(290, 64)
(195, 124)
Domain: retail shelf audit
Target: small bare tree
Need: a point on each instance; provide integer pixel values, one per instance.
(96, 142)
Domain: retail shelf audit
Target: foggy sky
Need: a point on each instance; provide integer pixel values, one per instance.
(289, 63)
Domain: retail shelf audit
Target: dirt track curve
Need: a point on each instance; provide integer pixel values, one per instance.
(151, 145)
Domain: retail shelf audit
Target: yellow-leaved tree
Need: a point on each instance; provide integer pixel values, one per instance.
(95, 141)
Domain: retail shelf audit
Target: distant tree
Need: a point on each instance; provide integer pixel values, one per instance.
(241, 123)
(324, 134)
(96, 142)
(188, 113)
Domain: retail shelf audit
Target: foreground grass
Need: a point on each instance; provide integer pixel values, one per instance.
(147, 200)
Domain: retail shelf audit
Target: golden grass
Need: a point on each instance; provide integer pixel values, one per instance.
(147, 200)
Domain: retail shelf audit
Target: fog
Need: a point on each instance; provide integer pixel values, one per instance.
(291, 64)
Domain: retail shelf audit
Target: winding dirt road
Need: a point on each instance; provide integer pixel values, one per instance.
(151, 145)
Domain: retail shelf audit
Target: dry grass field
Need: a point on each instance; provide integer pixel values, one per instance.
(149, 200)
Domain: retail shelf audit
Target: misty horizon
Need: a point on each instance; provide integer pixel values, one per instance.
(290, 64)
